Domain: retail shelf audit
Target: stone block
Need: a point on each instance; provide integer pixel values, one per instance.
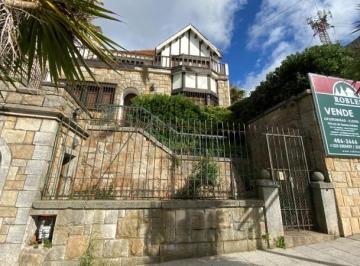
(16, 234)
(22, 216)
(36, 167)
(8, 198)
(111, 216)
(50, 126)
(13, 171)
(104, 231)
(75, 217)
(26, 198)
(29, 137)
(116, 248)
(29, 99)
(42, 153)
(30, 124)
(44, 138)
(127, 228)
(97, 248)
(197, 219)
(18, 163)
(7, 212)
(4, 229)
(56, 253)
(99, 216)
(32, 182)
(13, 136)
(235, 246)
(136, 247)
(21, 151)
(211, 221)
(61, 235)
(89, 216)
(76, 246)
(198, 236)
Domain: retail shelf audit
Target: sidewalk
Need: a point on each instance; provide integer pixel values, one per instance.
(340, 252)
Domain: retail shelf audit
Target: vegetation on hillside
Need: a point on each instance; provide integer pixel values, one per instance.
(290, 78)
(170, 108)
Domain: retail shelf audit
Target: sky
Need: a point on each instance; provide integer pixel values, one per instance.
(253, 35)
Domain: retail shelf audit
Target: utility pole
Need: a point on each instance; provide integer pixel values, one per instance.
(320, 25)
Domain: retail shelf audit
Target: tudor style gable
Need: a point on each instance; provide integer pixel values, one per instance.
(188, 41)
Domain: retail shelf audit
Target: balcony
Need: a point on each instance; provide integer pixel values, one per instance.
(131, 59)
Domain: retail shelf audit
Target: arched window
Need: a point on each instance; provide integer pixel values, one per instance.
(128, 95)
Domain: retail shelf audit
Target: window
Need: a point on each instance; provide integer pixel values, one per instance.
(92, 95)
(44, 229)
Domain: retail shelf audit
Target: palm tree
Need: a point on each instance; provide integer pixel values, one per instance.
(50, 34)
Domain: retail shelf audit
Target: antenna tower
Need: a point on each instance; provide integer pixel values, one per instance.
(320, 25)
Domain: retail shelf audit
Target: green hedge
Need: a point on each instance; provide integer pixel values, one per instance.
(168, 108)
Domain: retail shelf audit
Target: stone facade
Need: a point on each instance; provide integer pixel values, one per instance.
(29, 122)
(147, 232)
(343, 173)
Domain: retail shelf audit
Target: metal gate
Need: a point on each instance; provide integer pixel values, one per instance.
(290, 170)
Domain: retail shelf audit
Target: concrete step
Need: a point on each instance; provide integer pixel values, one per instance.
(296, 238)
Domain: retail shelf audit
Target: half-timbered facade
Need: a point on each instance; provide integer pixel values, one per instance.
(186, 63)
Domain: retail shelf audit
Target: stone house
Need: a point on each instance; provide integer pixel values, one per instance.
(186, 63)
(123, 187)
(52, 155)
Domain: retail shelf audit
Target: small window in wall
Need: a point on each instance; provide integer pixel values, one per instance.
(44, 230)
(92, 95)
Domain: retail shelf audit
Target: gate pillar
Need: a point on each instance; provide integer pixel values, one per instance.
(268, 190)
(325, 207)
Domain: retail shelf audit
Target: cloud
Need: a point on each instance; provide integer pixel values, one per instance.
(149, 22)
(280, 28)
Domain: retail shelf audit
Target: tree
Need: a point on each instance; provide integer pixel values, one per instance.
(353, 70)
(50, 34)
(236, 94)
(290, 78)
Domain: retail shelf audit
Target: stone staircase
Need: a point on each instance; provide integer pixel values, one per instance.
(296, 238)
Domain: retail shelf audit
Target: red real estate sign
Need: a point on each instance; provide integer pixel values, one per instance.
(337, 104)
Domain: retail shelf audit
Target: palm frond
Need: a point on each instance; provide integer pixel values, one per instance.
(53, 35)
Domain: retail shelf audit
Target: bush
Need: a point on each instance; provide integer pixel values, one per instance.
(170, 107)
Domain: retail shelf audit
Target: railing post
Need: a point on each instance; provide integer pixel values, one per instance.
(325, 205)
(268, 190)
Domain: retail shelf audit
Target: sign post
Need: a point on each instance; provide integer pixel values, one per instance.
(337, 105)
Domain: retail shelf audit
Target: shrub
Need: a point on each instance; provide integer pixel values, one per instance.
(170, 107)
(205, 174)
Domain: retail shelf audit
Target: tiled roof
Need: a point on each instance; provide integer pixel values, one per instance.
(149, 52)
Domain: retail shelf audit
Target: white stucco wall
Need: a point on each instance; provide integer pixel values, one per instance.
(202, 82)
(213, 85)
(190, 80)
(177, 80)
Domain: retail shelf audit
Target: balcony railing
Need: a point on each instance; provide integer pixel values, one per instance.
(128, 58)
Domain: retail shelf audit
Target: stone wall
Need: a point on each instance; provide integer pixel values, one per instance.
(224, 93)
(147, 81)
(146, 232)
(29, 122)
(299, 112)
(133, 164)
(140, 79)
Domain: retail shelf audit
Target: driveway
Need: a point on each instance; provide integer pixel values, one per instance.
(339, 252)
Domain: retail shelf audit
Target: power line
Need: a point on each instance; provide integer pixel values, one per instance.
(281, 13)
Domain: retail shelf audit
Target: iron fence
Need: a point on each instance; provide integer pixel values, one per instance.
(127, 152)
